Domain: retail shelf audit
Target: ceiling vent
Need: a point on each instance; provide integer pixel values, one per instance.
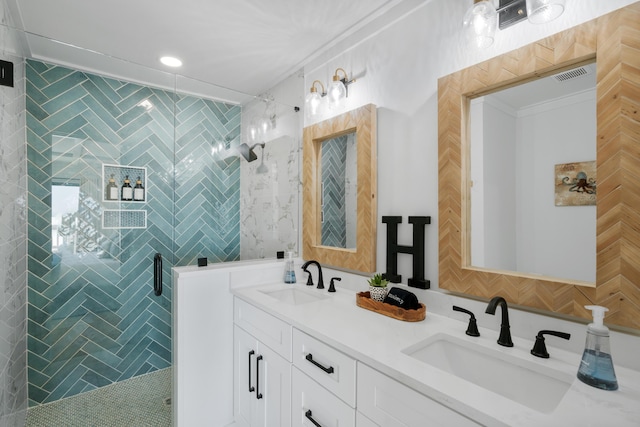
(572, 74)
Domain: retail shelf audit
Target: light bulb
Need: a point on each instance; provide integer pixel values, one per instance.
(264, 125)
(252, 131)
(312, 104)
(480, 24)
(337, 94)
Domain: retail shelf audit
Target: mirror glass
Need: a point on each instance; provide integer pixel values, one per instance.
(532, 177)
(338, 188)
(339, 206)
(617, 166)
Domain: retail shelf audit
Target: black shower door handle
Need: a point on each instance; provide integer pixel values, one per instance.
(157, 274)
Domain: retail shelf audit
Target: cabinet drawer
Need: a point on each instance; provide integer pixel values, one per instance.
(332, 369)
(311, 400)
(362, 421)
(268, 329)
(389, 403)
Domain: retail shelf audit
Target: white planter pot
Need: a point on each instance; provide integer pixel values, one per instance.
(378, 293)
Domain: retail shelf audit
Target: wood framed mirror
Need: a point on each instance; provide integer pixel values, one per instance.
(612, 40)
(358, 251)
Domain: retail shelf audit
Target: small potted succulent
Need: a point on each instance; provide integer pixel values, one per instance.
(378, 287)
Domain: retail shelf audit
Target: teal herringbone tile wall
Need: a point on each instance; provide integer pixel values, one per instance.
(92, 316)
(334, 157)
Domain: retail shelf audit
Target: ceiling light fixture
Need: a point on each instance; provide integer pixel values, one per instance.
(171, 61)
(336, 94)
(482, 19)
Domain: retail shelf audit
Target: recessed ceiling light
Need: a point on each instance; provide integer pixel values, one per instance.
(170, 61)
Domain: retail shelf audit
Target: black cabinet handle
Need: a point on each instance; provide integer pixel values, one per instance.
(328, 370)
(157, 274)
(251, 388)
(258, 394)
(309, 416)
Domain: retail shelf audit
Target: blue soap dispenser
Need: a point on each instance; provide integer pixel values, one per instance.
(289, 272)
(596, 367)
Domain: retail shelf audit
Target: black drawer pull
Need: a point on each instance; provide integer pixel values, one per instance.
(251, 353)
(309, 416)
(258, 394)
(328, 370)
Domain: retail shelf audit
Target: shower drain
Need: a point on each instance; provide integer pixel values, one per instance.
(166, 401)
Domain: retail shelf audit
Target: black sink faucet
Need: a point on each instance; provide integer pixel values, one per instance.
(320, 281)
(505, 332)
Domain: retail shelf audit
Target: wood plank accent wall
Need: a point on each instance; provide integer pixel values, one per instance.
(614, 40)
(363, 258)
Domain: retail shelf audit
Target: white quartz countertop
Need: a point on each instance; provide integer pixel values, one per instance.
(377, 341)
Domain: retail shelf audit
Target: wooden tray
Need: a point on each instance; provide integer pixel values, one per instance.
(363, 299)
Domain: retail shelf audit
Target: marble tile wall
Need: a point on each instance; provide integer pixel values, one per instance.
(13, 277)
(269, 201)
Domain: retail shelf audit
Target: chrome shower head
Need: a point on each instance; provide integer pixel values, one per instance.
(247, 152)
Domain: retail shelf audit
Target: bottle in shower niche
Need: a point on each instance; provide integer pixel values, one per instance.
(138, 191)
(126, 192)
(111, 191)
(289, 272)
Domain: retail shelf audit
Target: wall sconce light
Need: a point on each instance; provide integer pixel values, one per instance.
(481, 20)
(314, 99)
(336, 95)
(338, 90)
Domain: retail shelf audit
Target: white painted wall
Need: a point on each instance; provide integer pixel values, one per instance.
(563, 131)
(397, 66)
(497, 156)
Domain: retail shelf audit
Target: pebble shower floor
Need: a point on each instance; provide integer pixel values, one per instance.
(139, 402)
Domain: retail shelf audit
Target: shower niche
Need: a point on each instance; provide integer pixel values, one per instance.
(124, 184)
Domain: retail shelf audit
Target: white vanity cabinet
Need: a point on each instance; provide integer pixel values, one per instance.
(314, 405)
(262, 375)
(331, 368)
(285, 377)
(323, 384)
(385, 402)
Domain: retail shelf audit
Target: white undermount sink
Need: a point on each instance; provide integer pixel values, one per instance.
(294, 296)
(531, 384)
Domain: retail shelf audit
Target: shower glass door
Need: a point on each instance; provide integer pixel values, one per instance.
(94, 315)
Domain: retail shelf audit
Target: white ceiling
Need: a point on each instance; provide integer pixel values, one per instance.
(543, 90)
(243, 45)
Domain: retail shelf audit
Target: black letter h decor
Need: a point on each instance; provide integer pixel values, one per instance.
(417, 250)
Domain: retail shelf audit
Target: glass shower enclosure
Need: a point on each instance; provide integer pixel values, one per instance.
(126, 180)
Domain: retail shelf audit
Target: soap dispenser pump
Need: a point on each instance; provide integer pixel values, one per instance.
(596, 367)
(289, 272)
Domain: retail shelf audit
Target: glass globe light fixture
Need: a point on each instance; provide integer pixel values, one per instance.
(480, 24)
(264, 125)
(337, 93)
(542, 11)
(313, 100)
(253, 131)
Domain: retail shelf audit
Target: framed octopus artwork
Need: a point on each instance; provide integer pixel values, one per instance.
(576, 184)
